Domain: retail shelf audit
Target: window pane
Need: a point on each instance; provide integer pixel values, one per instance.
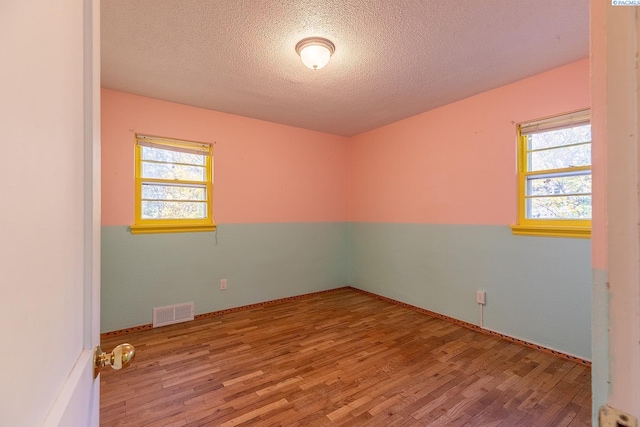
(173, 192)
(562, 157)
(557, 138)
(170, 156)
(174, 210)
(558, 185)
(564, 207)
(174, 172)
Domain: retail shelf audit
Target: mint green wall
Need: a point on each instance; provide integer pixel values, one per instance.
(260, 261)
(538, 289)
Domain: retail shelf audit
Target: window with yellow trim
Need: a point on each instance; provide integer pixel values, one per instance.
(554, 176)
(174, 186)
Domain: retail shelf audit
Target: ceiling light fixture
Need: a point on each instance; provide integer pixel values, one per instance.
(315, 51)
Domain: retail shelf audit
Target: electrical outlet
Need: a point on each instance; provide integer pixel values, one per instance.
(481, 297)
(223, 284)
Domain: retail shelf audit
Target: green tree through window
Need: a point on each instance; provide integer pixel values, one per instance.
(173, 185)
(554, 175)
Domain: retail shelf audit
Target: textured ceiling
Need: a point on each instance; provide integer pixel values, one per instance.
(393, 59)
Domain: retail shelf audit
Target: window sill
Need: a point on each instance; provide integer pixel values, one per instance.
(551, 231)
(171, 228)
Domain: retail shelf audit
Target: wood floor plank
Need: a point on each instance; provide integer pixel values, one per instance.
(338, 358)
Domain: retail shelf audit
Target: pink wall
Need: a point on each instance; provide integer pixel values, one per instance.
(263, 172)
(456, 164)
(452, 165)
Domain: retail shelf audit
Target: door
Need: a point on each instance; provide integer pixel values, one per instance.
(49, 214)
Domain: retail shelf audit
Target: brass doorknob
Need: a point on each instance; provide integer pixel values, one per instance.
(119, 358)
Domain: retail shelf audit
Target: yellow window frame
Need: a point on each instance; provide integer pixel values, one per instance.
(544, 227)
(152, 226)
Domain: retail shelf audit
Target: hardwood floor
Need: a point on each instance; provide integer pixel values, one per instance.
(339, 358)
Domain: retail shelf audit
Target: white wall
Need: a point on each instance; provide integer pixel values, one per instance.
(42, 214)
(615, 38)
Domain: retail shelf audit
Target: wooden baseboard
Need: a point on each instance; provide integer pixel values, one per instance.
(475, 327)
(371, 294)
(221, 312)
